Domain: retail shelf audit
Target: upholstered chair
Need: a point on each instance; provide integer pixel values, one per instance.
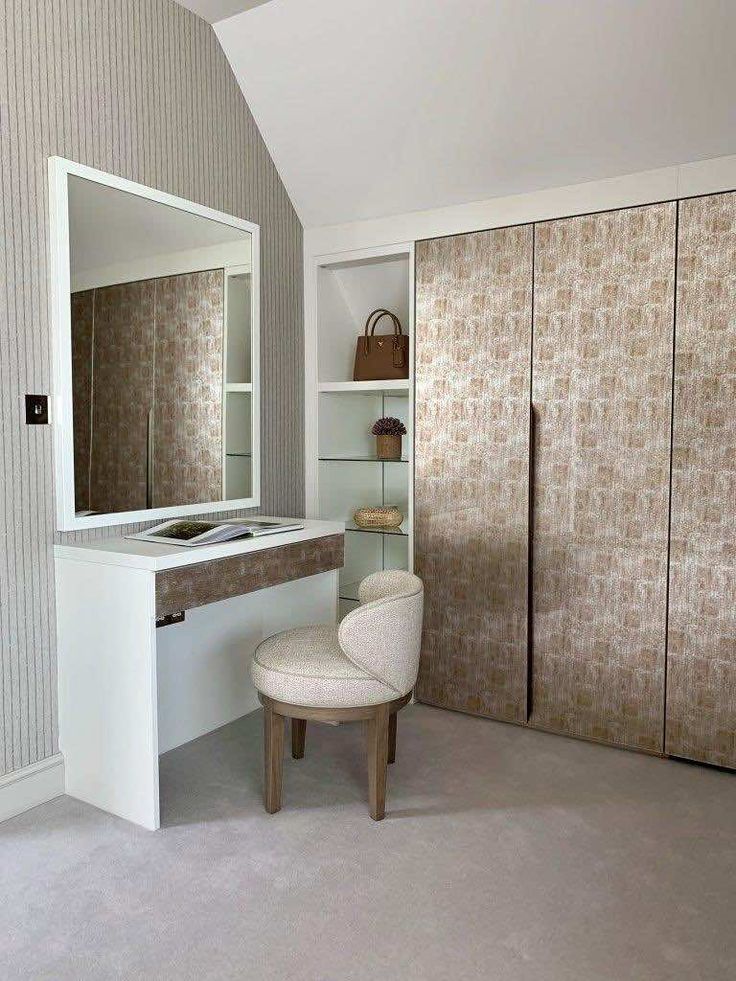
(363, 668)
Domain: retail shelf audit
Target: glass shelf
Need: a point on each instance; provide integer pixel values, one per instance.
(401, 530)
(349, 591)
(359, 459)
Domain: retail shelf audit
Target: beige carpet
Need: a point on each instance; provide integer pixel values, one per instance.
(506, 854)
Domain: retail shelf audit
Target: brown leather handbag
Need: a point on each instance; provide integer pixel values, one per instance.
(382, 356)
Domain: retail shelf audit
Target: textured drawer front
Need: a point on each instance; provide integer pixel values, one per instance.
(208, 582)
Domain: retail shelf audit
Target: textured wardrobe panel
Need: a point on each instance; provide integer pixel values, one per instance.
(122, 395)
(473, 337)
(140, 88)
(188, 389)
(83, 320)
(602, 381)
(701, 664)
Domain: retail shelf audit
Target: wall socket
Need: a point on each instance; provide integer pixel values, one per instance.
(170, 618)
(37, 410)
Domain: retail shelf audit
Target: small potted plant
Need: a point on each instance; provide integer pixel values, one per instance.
(388, 432)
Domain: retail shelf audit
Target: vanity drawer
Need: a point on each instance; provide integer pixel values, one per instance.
(190, 586)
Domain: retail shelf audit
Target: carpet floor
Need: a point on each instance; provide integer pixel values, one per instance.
(506, 854)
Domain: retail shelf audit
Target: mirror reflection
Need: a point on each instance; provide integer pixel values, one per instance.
(161, 320)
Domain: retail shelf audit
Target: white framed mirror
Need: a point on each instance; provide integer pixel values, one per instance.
(155, 317)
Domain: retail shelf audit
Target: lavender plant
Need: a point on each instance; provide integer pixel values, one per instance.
(388, 426)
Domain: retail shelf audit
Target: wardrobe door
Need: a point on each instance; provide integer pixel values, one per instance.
(82, 323)
(122, 395)
(473, 336)
(188, 389)
(602, 382)
(701, 662)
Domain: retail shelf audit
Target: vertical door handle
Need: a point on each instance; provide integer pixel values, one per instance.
(149, 461)
(530, 569)
(532, 455)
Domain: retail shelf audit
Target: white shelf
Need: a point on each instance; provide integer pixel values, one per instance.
(238, 387)
(361, 459)
(392, 386)
(343, 470)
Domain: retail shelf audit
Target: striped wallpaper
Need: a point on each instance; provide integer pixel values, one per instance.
(142, 89)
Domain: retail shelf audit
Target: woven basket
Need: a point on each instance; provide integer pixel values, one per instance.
(385, 517)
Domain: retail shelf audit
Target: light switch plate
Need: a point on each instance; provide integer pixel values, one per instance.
(37, 410)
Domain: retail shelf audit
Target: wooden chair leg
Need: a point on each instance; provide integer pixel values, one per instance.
(298, 738)
(377, 761)
(392, 737)
(273, 744)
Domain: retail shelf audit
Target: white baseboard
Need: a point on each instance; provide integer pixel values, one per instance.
(31, 785)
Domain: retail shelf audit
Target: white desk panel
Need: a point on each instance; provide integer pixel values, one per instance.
(128, 690)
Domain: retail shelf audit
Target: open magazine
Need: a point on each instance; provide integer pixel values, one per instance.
(185, 532)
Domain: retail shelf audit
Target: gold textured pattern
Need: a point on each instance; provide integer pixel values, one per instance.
(701, 666)
(188, 389)
(123, 362)
(473, 337)
(82, 324)
(187, 587)
(155, 343)
(603, 324)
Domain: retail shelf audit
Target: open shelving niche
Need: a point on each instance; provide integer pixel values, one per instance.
(343, 472)
(237, 406)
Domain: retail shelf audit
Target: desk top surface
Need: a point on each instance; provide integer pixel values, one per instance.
(157, 556)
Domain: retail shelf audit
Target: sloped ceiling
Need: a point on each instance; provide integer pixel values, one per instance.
(214, 10)
(391, 106)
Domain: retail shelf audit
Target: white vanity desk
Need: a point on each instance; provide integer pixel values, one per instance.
(129, 690)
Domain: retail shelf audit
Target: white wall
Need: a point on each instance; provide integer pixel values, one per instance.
(374, 108)
(350, 240)
(113, 84)
(665, 184)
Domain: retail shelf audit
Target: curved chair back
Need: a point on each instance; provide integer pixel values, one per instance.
(383, 635)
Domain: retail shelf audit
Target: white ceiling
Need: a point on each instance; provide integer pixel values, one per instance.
(214, 10)
(380, 108)
(109, 227)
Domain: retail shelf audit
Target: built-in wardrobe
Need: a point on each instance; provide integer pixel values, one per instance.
(575, 475)
(147, 367)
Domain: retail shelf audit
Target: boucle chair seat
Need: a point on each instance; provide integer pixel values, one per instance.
(306, 666)
(363, 669)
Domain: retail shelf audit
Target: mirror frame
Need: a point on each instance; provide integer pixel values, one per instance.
(60, 170)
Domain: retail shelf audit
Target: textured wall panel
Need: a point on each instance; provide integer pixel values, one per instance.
(140, 88)
(188, 388)
(122, 394)
(473, 336)
(602, 381)
(83, 326)
(701, 665)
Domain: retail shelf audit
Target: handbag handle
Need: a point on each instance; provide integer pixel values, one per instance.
(380, 312)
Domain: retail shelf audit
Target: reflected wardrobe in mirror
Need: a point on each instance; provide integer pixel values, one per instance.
(161, 335)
